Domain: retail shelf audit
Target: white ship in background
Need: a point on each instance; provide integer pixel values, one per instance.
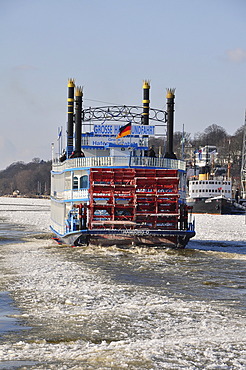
(210, 188)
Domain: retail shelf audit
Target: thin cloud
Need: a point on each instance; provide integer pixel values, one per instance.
(236, 55)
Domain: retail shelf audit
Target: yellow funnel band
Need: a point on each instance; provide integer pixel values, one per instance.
(70, 99)
(79, 91)
(203, 176)
(170, 93)
(146, 84)
(71, 83)
(146, 101)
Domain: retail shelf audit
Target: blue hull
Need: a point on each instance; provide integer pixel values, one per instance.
(156, 238)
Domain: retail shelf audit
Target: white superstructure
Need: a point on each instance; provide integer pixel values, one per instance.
(209, 188)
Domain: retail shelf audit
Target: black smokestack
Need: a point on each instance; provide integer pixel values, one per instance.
(170, 120)
(78, 122)
(145, 114)
(70, 112)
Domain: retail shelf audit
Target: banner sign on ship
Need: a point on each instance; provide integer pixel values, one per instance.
(126, 141)
(113, 130)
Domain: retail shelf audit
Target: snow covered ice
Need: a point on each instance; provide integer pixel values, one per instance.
(108, 308)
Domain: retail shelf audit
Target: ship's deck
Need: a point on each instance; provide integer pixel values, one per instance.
(124, 161)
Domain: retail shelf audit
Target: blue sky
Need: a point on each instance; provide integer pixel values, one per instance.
(109, 47)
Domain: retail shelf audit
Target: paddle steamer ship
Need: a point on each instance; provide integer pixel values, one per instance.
(109, 188)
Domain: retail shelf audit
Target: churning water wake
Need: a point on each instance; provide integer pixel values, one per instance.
(111, 308)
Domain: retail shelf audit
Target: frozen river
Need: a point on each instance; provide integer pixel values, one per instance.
(106, 308)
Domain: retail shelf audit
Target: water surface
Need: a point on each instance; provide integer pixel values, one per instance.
(111, 308)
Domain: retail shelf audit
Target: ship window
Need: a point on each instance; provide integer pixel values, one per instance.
(84, 182)
(212, 190)
(75, 183)
(215, 190)
(206, 190)
(212, 182)
(215, 182)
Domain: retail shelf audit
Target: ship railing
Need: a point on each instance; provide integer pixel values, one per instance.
(174, 164)
(123, 161)
(77, 194)
(72, 194)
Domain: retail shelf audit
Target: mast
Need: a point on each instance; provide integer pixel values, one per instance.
(243, 165)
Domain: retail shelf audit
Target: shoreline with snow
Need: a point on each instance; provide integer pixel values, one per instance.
(207, 226)
(12, 209)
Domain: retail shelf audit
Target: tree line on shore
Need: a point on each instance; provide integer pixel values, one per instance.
(26, 179)
(229, 147)
(33, 178)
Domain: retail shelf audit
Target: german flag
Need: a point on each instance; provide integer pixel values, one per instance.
(124, 131)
